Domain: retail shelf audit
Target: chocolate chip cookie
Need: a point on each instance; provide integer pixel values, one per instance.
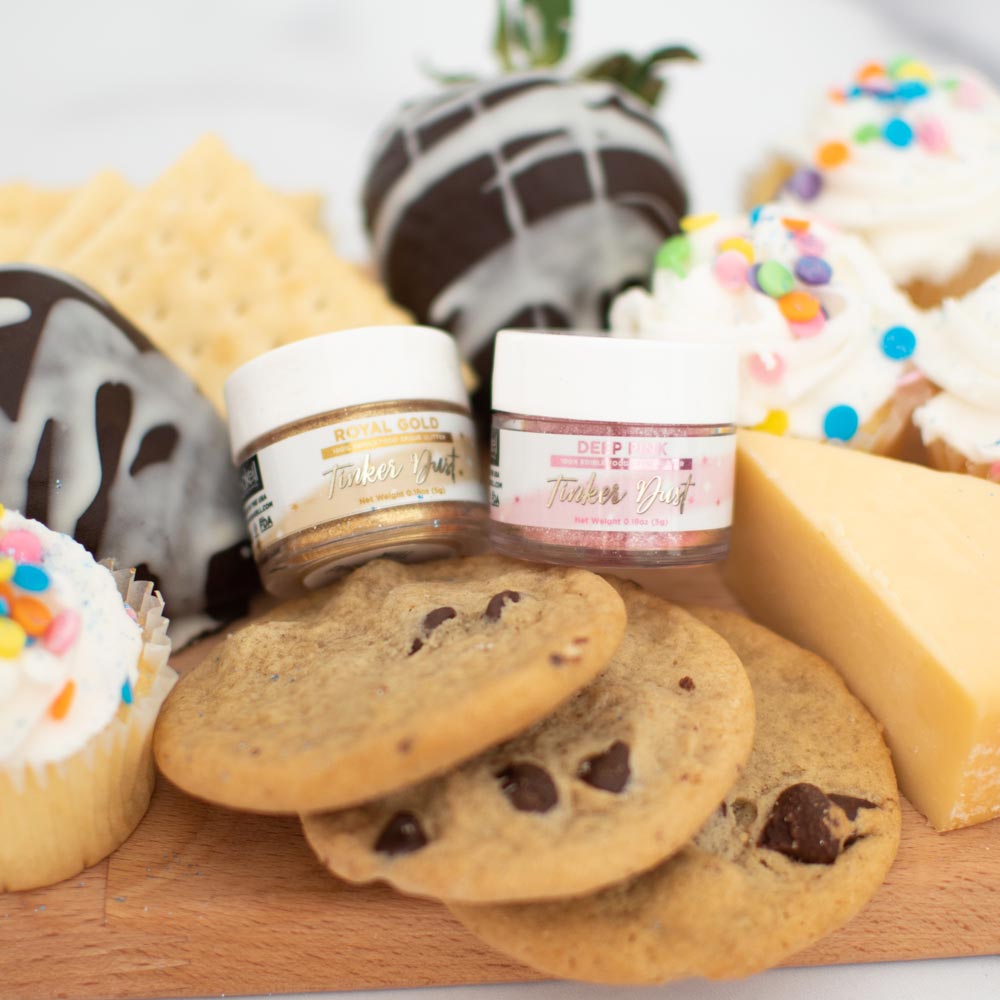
(393, 674)
(795, 849)
(615, 780)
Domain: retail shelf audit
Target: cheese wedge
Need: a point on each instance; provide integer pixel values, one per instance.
(892, 572)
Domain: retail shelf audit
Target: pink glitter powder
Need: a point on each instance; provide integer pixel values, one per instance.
(570, 483)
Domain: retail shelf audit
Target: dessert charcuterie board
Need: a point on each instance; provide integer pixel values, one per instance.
(202, 901)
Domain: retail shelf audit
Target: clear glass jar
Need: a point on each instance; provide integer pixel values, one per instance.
(351, 446)
(584, 488)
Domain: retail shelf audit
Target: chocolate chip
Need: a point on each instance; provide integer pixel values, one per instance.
(417, 644)
(744, 812)
(437, 617)
(497, 601)
(687, 683)
(608, 771)
(528, 787)
(723, 809)
(850, 804)
(401, 835)
(799, 826)
(556, 660)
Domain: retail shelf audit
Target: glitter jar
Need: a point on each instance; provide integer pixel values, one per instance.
(612, 453)
(354, 445)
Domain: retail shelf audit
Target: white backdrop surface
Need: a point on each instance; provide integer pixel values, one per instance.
(297, 87)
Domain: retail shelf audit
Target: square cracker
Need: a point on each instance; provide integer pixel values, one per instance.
(26, 211)
(90, 206)
(216, 268)
(86, 211)
(308, 205)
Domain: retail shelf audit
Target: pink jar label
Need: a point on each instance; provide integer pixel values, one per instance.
(634, 484)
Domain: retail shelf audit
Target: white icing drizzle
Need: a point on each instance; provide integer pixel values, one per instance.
(842, 365)
(105, 654)
(591, 247)
(960, 352)
(172, 515)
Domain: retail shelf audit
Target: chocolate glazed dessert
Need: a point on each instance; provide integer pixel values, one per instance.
(526, 201)
(104, 438)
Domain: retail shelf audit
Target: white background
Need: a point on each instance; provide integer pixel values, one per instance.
(297, 87)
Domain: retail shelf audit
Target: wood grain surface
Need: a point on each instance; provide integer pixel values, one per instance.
(204, 901)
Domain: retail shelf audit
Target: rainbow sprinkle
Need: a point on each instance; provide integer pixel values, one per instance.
(737, 266)
(28, 613)
(900, 85)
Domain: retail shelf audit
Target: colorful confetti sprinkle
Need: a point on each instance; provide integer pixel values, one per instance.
(805, 183)
(12, 638)
(741, 245)
(898, 343)
(774, 279)
(675, 255)
(798, 307)
(832, 154)
(730, 269)
(767, 368)
(776, 422)
(841, 423)
(60, 707)
(691, 223)
(812, 270)
(897, 132)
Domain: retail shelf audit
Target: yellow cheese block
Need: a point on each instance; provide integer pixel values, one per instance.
(892, 572)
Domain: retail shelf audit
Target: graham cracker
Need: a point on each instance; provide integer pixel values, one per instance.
(25, 212)
(216, 268)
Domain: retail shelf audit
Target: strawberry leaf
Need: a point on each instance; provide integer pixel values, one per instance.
(531, 34)
(639, 76)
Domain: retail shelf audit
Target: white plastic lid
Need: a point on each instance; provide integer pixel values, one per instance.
(621, 381)
(372, 364)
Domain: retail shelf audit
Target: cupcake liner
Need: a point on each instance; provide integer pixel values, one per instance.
(890, 431)
(943, 457)
(766, 183)
(61, 817)
(929, 294)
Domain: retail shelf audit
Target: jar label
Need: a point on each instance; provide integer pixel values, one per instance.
(357, 466)
(631, 484)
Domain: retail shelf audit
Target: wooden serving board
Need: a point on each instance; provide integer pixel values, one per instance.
(204, 901)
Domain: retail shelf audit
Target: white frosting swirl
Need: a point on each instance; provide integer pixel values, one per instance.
(843, 365)
(927, 207)
(105, 654)
(960, 352)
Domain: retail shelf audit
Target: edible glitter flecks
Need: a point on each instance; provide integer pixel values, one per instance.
(647, 523)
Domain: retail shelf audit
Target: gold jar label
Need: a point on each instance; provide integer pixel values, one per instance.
(347, 467)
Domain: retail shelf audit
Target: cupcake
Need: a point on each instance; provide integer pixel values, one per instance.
(83, 672)
(825, 338)
(960, 352)
(908, 158)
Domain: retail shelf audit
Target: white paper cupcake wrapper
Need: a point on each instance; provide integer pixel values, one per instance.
(61, 816)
